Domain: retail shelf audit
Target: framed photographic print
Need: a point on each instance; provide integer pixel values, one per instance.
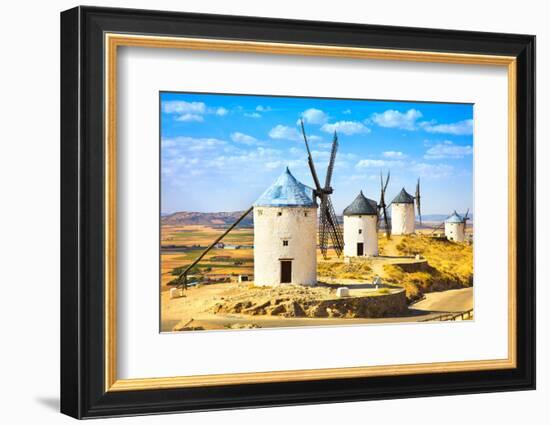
(261, 212)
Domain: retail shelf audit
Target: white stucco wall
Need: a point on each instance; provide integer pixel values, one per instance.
(454, 231)
(296, 225)
(402, 219)
(368, 236)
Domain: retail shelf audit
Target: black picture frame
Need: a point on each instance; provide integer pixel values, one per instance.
(83, 392)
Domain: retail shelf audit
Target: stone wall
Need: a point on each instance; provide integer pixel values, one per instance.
(420, 266)
(389, 305)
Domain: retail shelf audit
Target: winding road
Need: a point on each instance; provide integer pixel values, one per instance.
(451, 301)
(432, 306)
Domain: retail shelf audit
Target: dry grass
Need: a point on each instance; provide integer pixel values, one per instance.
(357, 270)
(450, 266)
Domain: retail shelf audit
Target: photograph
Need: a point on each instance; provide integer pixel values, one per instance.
(301, 209)
(279, 211)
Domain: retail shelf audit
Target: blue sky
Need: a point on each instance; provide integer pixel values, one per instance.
(220, 152)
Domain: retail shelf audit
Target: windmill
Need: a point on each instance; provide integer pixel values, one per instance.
(455, 226)
(382, 204)
(466, 218)
(328, 224)
(417, 199)
(402, 214)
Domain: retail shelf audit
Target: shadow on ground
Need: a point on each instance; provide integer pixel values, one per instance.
(49, 402)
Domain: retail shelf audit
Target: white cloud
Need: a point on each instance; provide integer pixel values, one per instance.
(459, 128)
(293, 164)
(221, 111)
(345, 127)
(182, 145)
(318, 155)
(363, 177)
(261, 108)
(191, 111)
(190, 117)
(448, 149)
(182, 107)
(314, 116)
(243, 138)
(295, 151)
(395, 119)
(286, 133)
(378, 163)
(394, 154)
(252, 115)
(347, 111)
(432, 171)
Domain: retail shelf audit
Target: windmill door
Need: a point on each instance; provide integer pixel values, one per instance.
(286, 271)
(360, 249)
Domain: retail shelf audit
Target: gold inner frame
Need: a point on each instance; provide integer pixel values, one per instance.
(113, 41)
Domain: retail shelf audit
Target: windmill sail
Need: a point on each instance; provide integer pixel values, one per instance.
(382, 204)
(181, 280)
(333, 228)
(330, 168)
(417, 198)
(310, 161)
(328, 223)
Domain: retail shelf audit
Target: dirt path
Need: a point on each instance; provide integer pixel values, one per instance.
(453, 300)
(456, 300)
(218, 322)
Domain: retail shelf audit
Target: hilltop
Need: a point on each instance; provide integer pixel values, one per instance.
(215, 219)
(221, 219)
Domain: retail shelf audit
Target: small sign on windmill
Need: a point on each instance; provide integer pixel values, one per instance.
(328, 223)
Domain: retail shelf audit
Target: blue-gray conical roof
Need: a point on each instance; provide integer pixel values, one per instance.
(361, 205)
(454, 218)
(286, 191)
(403, 198)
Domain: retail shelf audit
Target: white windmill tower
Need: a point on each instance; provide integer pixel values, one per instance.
(285, 229)
(402, 212)
(455, 227)
(361, 228)
(285, 234)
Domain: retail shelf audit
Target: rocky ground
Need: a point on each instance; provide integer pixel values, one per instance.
(230, 300)
(300, 301)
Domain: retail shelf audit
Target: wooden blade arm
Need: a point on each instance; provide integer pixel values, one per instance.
(183, 274)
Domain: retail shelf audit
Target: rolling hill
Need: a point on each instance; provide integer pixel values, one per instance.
(214, 219)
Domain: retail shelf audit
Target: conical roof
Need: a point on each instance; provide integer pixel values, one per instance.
(403, 198)
(361, 205)
(454, 218)
(286, 191)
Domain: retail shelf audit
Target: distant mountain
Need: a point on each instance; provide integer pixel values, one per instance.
(224, 219)
(441, 217)
(215, 219)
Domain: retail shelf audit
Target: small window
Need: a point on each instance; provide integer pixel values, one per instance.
(285, 243)
(360, 231)
(305, 214)
(359, 216)
(280, 213)
(260, 212)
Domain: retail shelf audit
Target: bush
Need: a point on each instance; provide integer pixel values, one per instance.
(178, 270)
